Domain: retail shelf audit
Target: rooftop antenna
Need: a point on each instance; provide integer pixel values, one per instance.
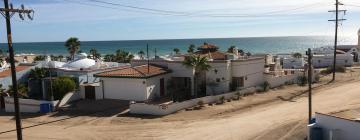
(148, 59)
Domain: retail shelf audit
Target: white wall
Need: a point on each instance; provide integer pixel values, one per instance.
(223, 73)
(26, 105)
(153, 86)
(322, 61)
(251, 69)
(344, 129)
(293, 63)
(165, 109)
(179, 70)
(125, 89)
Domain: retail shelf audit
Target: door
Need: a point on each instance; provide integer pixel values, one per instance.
(162, 87)
(90, 92)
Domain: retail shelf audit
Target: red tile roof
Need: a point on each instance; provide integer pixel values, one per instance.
(217, 55)
(7, 72)
(208, 46)
(134, 72)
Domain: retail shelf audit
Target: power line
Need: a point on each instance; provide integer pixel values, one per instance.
(192, 14)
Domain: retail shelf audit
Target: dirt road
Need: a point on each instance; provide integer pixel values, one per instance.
(274, 120)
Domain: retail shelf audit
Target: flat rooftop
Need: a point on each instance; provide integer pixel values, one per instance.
(353, 114)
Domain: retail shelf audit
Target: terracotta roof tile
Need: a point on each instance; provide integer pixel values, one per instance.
(135, 72)
(7, 72)
(217, 55)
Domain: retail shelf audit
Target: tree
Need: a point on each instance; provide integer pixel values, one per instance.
(191, 48)
(297, 55)
(22, 90)
(123, 56)
(73, 46)
(176, 50)
(141, 54)
(241, 52)
(62, 86)
(2, 95)
(40, 58)
(38, 73)
(231, 49)
(199, 64)
(248, 54)
(109, 58)
(95, 54)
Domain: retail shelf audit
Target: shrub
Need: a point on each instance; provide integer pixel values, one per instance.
(329, 70)
(62, 86)
(302, 80)
(201, 103)
(265, 86)
(221, 99)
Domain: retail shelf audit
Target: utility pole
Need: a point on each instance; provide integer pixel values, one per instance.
(336, 32)
(148, 59)
(8, 13)
(309, 54)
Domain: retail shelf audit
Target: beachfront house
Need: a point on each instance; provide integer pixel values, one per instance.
(228, 72)
(346, 55)
(138, 83)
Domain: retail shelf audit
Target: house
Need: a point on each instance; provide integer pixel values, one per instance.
(343, 125)
(228, 72)
(138, 83)
(346, 55)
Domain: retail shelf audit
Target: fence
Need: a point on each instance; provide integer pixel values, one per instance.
(26, 105)
(165, 109)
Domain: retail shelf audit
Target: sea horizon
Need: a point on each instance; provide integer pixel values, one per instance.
(272, 45)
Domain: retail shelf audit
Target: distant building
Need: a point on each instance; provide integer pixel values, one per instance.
(346, 55)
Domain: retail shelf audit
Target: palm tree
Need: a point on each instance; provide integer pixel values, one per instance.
(22, 90)
(38, 73)
(176, 50)
(73, 46)
(94, 53)
(123, 56)
(297, 55)
(199, 64)
(109, 58)
(241, 52)
(230, 49)
(141, 54)
(191, 48)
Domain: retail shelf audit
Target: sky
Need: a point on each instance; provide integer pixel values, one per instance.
(94, 20)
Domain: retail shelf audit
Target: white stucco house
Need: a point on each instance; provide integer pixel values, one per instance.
(138, 83)
(339, 126)
(346, 55)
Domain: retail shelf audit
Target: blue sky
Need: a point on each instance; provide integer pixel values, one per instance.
(57, 20)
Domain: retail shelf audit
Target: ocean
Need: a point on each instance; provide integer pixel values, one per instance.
(273, 45)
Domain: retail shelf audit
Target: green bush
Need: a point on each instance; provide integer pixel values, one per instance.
(329, 70)
(62, 86)
(302, 80)
(201, 103)
(265, 86)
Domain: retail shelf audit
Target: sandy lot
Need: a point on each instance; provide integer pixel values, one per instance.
(278, 114)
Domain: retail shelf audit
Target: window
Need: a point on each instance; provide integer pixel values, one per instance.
(218, 80)
(238, 82)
